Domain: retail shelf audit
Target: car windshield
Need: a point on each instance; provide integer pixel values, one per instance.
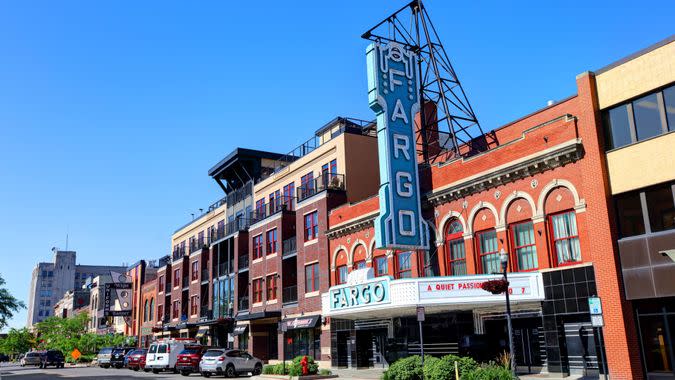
(137, 352)
(32, 354)
(153, 349)
(105, 350)
(212, 353)
(118, 351)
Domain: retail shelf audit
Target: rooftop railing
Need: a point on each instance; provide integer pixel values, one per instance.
(239, 194)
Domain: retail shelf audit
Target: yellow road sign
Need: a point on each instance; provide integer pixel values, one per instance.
(76, 354)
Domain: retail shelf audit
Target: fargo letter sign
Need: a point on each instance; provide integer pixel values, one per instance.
(393, 95)
(373, 292)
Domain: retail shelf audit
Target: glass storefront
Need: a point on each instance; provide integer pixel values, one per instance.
(300, 342)
(656, 323)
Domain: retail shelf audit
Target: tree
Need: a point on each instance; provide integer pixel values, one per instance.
(17, 342)
(8, 304)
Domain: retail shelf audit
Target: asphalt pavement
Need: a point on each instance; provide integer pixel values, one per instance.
(11, 371)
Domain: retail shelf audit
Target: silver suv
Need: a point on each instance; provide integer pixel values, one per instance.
(230, 363)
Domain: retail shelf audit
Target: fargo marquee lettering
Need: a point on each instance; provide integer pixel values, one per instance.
(394, 96)
(365, 294)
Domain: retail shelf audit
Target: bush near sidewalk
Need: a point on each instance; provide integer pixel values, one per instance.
(410, 368)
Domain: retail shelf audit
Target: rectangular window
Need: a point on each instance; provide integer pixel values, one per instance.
(272, 287)
(488, 251)
(271, 241)
(176, 278)
(522, 235)
(333, 167)
(312, 278)
(617, 127)
(311, 226)
(360, 264)
(456, 257)
(194, 306)
(647, 118)
(324, 170)
(404, 264)
(161, 283)
(629, 214)
(306, 185)
(342, 272)
(660, 208)
(566, 238)
(381, 268)
(289, 194)
(195, 270)
(200, 239)
(175, 312)
(160, 312)
(257, 247)
(260, 208)
(669, 103)
(257, 290)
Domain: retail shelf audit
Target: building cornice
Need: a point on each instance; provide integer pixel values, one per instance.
(352, 226)
(560, 155)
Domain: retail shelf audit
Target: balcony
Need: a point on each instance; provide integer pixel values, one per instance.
(326, 181)
(278, 205)
(222, 270)
(240, 194)
(205, 314)
(289, 295)
(178, 253)
(237, 225)
(205, 275)
(216, 234)
(186, 282)
(289, 247)
(168, 287)
(197, 245)
(243, 304)
(243, 262)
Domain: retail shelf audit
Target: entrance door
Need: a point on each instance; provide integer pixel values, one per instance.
(342, 347)
(656, 335)
(528, 351)
(364, 348)
(581, 348)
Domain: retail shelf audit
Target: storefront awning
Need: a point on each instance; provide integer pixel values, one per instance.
(300, 322)
(239, 329)
(203, 330)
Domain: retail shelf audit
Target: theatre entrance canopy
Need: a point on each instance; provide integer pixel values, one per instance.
(365, 296)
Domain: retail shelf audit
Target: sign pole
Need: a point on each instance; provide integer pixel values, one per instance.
(420, 319)
(597, 321)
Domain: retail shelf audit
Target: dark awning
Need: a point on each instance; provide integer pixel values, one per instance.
(258, 315)
(203, 330)
(239, 329)
(300, 322)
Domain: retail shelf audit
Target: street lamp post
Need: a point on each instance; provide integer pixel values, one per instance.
(504, 258)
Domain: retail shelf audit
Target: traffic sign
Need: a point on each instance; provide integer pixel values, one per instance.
(75, 354)
(594, 305)
(420, 313)
(597, 320)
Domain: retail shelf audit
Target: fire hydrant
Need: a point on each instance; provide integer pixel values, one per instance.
(305, 368)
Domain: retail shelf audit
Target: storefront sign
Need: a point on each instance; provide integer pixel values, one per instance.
(393, 95)
(369, 293)
(451, 288)
(300, 323)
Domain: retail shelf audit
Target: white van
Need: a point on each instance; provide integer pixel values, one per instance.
(162, 355)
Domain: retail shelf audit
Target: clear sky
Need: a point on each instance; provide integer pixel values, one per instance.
(111, 113)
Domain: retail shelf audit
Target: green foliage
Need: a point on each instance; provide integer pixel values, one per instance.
(8, 305)
(276, 369)
(465, 364)
(295, 368)
(17, 342)
(409, 368)
(489, 372)
(70, 333)
(438, 369)
(325, 372)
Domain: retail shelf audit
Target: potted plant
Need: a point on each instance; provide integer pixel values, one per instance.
(498, 286)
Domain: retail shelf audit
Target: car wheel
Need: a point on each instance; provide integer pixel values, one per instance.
(185, 373)
(155, 371)
(135, 368)
(257, 370)
(206, 374)
(230, 372)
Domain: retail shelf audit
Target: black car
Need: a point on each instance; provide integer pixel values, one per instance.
(118, 355)
(52, 357)
(4, 358)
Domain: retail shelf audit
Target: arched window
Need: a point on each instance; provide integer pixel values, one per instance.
(145, 311)
(565, 237)
(456, 253)
(488, 251)
(152, 309)
(359, 257)
(341, 268)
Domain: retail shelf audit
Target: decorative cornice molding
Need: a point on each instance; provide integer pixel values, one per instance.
(564, 154)
(352, 226)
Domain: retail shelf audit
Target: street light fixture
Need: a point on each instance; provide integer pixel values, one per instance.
(504, 259)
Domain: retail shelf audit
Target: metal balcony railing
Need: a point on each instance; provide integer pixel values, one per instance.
(205, 313)
(216, 234)
(268, 209)
(222, 270)
(186, 281)
(326, 181)
(240, 194)
(178, 253)
(243, 262)
(237, 225)
(289, 294)
(205, 274)
(197, 244)
(289, 246)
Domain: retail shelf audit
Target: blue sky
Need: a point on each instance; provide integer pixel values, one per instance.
(112, 113)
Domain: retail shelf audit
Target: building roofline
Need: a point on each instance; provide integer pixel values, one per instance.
(230, 158)
(637, 54)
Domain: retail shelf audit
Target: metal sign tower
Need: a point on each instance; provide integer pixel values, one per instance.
(448, 123)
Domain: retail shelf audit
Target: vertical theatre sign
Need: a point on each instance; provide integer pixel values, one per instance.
(394, 96)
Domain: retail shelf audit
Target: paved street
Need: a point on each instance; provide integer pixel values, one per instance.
(29, 373)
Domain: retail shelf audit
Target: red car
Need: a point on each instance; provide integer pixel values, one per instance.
(187, 361)
(136, 359)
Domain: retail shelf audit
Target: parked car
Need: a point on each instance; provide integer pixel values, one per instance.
(162, 355)
(103, 357)
(4, 358)
(31, 358)
(187, 361)
(118, 355)
(136, 359)
(229, 363)
(52, 357)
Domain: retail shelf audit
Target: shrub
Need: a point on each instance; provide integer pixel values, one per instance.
(465, 364)
(325, 372)
(295, 368)
(276, 369)
(489, 372)
(438, 369)
(409, 368)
